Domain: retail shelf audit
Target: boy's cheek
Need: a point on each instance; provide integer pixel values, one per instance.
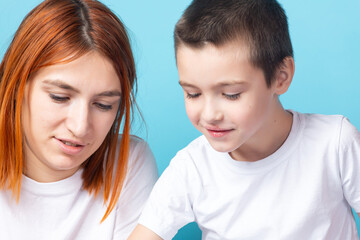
(192, 113)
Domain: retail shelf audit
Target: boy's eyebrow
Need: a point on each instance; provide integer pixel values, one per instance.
(231, 82)
(185, 84)
(60, 84)
(220, 84)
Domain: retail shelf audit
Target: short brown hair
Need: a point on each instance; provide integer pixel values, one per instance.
(261, 24)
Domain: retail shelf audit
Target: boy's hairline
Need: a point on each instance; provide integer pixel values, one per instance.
(243, 44)
(237, 40)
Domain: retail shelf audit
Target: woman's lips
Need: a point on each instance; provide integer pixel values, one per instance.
(70, 147)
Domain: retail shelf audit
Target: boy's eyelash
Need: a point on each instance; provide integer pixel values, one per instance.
(57, 98)
(228, 96)
(194, 95)
(231, 96)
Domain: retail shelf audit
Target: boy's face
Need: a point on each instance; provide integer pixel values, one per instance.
(226, 97)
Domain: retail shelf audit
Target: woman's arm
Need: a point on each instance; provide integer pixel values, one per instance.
(143, 233)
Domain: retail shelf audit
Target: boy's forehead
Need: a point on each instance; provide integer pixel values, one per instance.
(213, 65)
(237, 48)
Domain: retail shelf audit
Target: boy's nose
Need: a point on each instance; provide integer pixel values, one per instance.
(211, 113)
(78, 121)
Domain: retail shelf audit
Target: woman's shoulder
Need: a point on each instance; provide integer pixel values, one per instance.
(140, 178)
(140, 154)
(136, 142)
(136, 145)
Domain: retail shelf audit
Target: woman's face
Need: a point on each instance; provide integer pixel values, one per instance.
(68, 110)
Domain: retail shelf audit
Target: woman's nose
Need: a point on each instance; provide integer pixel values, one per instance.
(78, 120)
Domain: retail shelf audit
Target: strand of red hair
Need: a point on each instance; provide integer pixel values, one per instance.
(54, 32)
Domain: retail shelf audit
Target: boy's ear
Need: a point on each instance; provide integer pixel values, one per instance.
(284, 75)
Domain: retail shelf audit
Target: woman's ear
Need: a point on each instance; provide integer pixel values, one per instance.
(284, 75)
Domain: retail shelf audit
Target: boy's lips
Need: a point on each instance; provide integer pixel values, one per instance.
(218, 132)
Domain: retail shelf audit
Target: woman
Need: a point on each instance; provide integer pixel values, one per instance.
(66, 90)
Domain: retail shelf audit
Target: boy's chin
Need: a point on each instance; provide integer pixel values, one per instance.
(221, 146)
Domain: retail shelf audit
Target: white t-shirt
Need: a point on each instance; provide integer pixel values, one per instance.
(63, 210)
(305, 190)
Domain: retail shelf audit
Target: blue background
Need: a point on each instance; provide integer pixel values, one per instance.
(326, 41)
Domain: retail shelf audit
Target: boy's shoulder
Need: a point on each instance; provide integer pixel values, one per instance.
(336, 128)
(319, 122)
(197, 153)
(326, 119)
(196, 146)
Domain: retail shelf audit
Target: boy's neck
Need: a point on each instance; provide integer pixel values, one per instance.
(268, 140)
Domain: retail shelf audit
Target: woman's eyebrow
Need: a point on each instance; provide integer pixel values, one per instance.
(60, 84)
(114, 93)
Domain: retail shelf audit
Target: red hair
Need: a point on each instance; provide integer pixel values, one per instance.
(60, 31)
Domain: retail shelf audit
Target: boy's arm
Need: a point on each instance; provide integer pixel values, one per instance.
(143, 233)
(349, 164)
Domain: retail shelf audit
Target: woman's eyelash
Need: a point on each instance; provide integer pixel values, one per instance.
(57, 98)
(193, 95)
(103, 106)
(60, 99)
(231, 96)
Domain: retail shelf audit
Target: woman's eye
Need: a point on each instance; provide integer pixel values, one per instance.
(58, 98)
(232, 96)
(103, 107)
(192, 95)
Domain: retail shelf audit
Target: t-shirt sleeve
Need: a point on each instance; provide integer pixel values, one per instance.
(170, 204)
(349, 157)
(141, 177)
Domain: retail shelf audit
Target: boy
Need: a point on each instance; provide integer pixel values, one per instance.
(258, 171)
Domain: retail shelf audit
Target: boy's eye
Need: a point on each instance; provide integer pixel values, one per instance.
(58, 98)
(192, 95)
(231, 96)
(103, 107)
